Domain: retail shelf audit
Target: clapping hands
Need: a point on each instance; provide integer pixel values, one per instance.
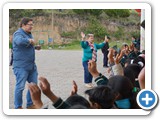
(118, 57)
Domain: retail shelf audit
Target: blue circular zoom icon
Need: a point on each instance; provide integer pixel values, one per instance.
(147, 99)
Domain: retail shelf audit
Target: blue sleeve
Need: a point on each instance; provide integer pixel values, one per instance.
(20, 40)
(99, 46)
(84, 44)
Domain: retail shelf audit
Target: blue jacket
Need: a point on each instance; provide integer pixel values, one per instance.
(87, 52)
(23, 51)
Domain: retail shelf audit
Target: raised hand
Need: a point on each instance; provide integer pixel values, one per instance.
(131, 47)
(31, 41)
(119, 56)
(74, 88)
(35, 95)
(44, 85)
(105, 39)
(82, 35)
(110, 55)
(92, 68)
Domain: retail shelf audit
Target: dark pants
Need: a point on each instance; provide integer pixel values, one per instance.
(87, 76)
(105, 59)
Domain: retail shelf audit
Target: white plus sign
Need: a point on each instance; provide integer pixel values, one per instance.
(147, 99)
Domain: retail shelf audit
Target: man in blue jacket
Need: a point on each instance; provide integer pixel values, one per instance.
(24, 66)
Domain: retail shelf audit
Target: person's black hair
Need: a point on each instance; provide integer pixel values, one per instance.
(25, 21)
(143, 51)
(134, 36)
(108, 37)
(78, 107)
(125, 45)
(135, 68)
(127, 61)
(129, 74)
(77, 100)
(102, 95)
(124, 87)
(139, 61)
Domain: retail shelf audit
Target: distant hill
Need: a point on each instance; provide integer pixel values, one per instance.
(66, 25)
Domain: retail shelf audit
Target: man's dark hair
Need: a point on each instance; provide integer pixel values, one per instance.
(108, 37)
(124, 87)
(102, 95)
(77, 100)
(25, 21)
(134, 36)
(78, 107)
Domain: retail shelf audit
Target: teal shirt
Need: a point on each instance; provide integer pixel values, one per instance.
(87, 52)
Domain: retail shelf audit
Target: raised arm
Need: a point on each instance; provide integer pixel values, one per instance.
(74, 88)
(35, 95)
(114, 63)
(58, 103)
(83, 36)
(45, 87)
(99, 78)
(84, 43)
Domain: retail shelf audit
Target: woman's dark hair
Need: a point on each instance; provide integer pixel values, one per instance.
(127, 61)
(102, 95)
(124, 87)
(136, 69)
(25, 21)
(77, 100)
(129, 74)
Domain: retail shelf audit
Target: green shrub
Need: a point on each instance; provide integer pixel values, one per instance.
(95, 12)
(117, 13)
(119, 33)
(135, 34)
(96, 28)
(68, 34)
(19, 13)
